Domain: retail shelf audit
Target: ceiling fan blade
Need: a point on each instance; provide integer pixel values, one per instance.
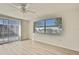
(18, 8)
(14, 6)
(23, 8)
(30, 11)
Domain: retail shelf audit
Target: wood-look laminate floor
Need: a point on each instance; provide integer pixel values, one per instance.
(28, 47)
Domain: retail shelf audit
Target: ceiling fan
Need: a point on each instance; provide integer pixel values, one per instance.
(22, 7)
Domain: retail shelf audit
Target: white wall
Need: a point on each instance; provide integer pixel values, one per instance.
(70, 36)
(24, 30)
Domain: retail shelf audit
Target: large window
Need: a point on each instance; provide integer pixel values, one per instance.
(9, 30)
(49, 26)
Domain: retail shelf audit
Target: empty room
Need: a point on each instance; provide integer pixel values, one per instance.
(39, 29)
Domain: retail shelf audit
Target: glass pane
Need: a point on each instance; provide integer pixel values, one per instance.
(1, 21)
(54, 26)
(6, 30)
(13, 30)
(51, 22)
(1, 30)
(40, 23)
(39, 26)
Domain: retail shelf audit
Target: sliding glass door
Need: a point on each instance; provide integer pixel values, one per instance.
(14, 30)
(10, 30)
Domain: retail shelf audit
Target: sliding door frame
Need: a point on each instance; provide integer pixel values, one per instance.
(19, 29)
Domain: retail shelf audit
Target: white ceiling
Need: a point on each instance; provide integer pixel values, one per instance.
(40, 9)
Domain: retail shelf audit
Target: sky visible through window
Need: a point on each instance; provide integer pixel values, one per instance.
(47, 22)
(1, 21)
(51, 22)
(40, 23)
(8, 22)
